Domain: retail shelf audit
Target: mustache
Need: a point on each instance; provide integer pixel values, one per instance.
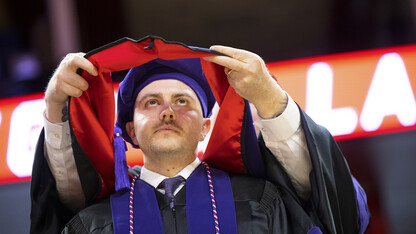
(168, 123)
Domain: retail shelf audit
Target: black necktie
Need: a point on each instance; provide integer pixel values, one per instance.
(170, 185)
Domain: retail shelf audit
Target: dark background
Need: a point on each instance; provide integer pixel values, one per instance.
(35, 36)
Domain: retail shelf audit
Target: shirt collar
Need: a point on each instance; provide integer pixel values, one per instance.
(154, 178)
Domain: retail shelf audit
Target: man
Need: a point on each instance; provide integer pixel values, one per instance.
(167, 119)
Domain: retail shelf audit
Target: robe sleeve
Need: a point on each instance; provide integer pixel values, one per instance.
(337, 203)
(48, 213)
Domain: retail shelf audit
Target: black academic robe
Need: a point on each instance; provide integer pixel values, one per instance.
(258, 204)
(332, 206)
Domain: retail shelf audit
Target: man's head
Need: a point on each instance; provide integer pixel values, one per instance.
(177, 88)
(167, 119)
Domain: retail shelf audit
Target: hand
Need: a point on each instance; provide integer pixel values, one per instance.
(248, 75)
(66, 82)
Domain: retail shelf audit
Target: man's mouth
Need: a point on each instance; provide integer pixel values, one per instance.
(167, 128)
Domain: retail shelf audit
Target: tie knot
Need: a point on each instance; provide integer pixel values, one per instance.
(170, 185)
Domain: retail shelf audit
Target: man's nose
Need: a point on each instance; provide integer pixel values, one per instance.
(167, 114)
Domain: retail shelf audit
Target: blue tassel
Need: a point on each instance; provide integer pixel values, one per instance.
(120, 164)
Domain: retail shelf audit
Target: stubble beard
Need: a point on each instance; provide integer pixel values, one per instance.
(170, 150)
(162, 147)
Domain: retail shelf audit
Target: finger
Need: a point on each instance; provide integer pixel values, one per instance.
(76, 81)
(78, 61)
(227, 71)
(67, 75)
(233, 75)
(235, 53)
(70, 90)
(227, 62)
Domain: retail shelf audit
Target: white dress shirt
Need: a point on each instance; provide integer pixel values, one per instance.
(282, 135)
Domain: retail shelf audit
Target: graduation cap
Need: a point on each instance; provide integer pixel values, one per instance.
(233, 143)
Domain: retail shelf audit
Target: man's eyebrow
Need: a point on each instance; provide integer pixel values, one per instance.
(184, 95)
(158, 95)
(153, 95)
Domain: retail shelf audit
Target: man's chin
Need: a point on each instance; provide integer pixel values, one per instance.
(166, 146)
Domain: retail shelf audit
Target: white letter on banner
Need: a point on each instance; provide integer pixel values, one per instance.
(25, 126)
(319, 86)
(390, 93)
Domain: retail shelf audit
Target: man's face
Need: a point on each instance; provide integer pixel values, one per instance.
(168, 118)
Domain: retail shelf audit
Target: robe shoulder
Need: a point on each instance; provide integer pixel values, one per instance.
(94, 219)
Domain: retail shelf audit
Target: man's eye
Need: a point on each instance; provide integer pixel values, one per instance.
(182, 101)
(152, 102)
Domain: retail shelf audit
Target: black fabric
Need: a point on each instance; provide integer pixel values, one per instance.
(332, 204)
(97, 216)
(258, 205)
(48, 214)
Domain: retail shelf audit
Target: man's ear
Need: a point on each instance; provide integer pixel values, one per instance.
(131, 132)
(206, 127)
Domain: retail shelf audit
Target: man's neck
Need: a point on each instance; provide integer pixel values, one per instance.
(154, 178)
(167, 166)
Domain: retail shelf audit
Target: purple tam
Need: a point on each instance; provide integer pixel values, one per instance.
(189, 71)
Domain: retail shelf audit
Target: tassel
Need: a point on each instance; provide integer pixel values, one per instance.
(120, 164)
